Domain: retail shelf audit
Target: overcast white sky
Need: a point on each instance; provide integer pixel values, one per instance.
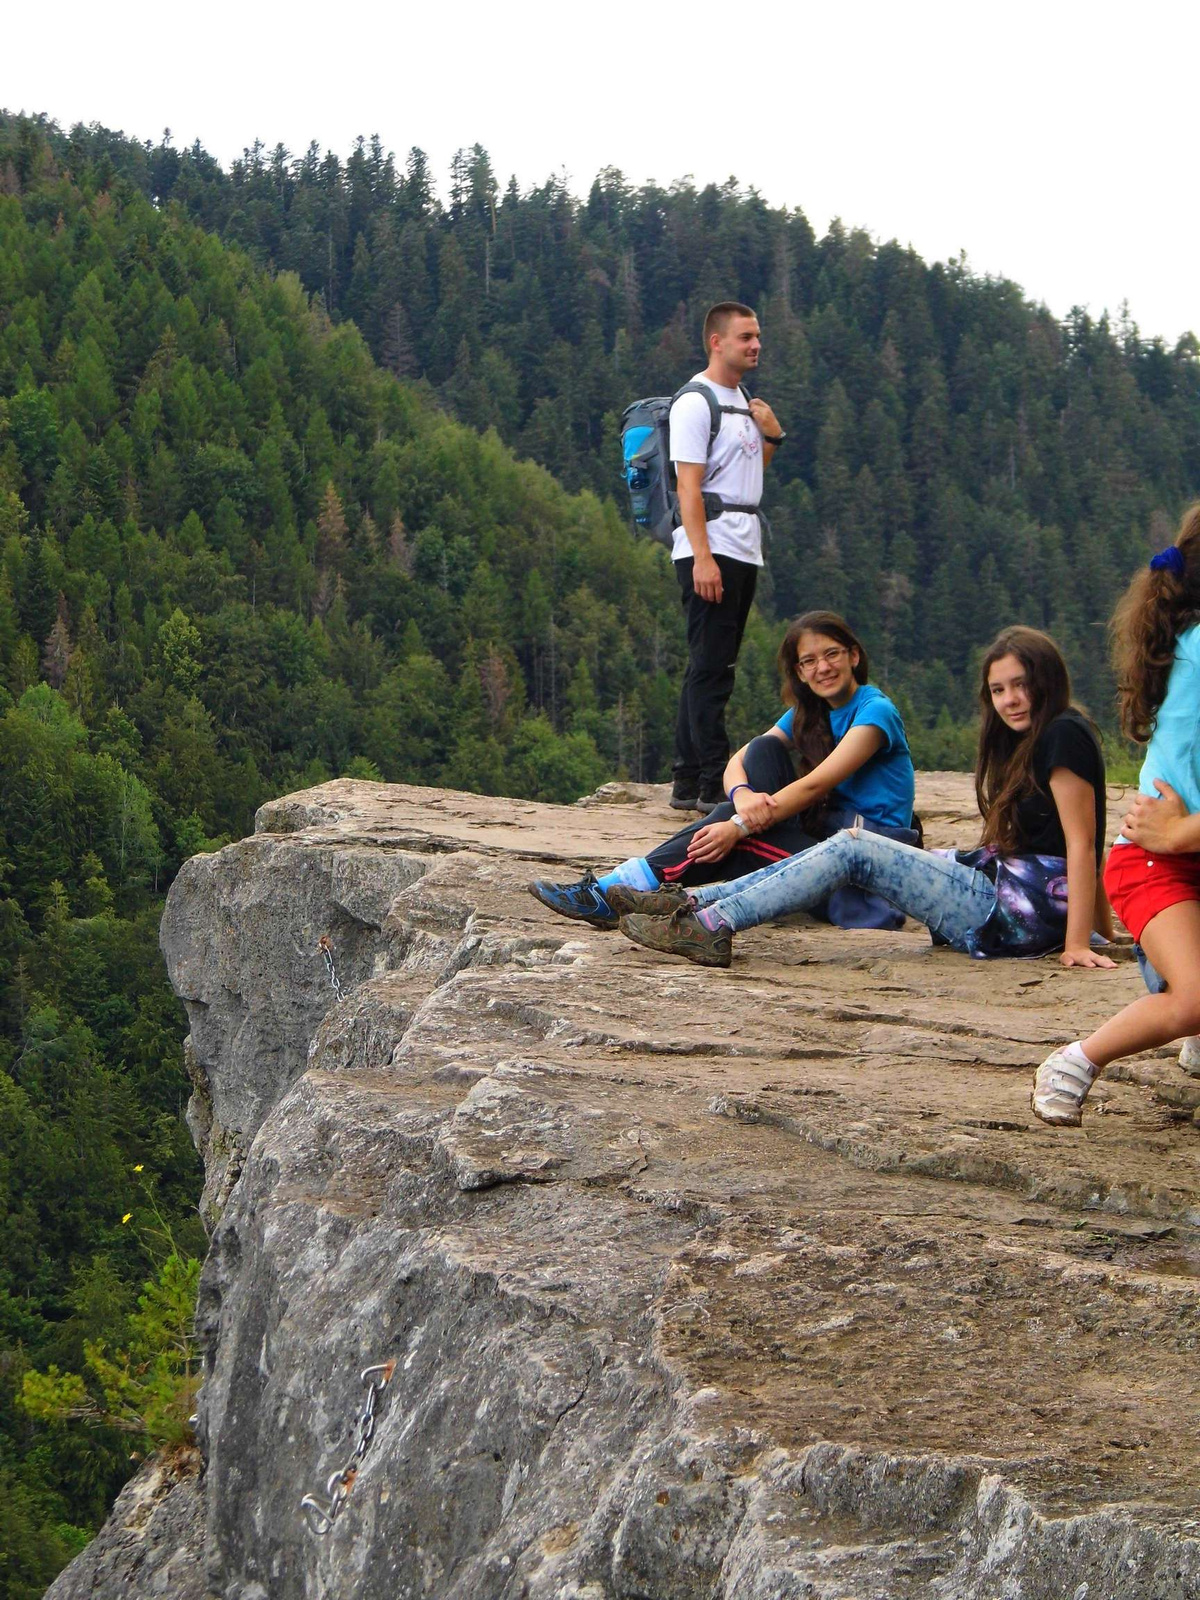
(1054, 143)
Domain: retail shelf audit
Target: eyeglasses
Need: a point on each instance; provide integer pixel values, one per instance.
(807, 664)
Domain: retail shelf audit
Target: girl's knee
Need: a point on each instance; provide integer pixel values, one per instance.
(852, 849)
(844, 841)
(862, 844)
(768, 763)
(1178, 1009)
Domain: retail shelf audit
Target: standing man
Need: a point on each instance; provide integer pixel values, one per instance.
(717, 560)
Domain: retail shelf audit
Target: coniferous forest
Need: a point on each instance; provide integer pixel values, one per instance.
(305, 472)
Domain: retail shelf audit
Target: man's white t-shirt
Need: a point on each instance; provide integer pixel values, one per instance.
(735, 470)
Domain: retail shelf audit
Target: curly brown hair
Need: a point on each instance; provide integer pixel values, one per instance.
(1151, 614)
(1004, 763)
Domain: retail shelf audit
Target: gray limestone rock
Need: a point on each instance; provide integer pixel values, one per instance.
(153, 1542)
(242, 941)
(754, 1285)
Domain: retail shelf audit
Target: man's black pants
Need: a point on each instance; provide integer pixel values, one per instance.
(714, 633)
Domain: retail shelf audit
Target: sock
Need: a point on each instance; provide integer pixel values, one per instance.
(1075, 1052)
(712, 919)
(634, 874)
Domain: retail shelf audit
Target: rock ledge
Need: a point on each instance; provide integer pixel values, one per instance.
(699, 1286)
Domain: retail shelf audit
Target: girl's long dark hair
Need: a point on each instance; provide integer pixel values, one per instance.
(811, 732)
(1151, 614)
(1004, 764)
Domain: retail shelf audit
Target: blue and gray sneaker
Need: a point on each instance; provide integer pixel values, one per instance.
(582, 902)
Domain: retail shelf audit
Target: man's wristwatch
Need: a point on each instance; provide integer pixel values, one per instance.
(774, 438)
(740, 822)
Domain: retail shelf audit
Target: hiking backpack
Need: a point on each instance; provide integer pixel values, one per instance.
(646, 454)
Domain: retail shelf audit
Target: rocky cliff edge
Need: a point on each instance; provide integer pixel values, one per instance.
(686, 1285)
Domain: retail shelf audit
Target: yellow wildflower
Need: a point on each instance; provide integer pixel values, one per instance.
(127, 1216)
(138, 1168)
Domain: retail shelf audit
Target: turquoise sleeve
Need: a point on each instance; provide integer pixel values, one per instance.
(883, 715)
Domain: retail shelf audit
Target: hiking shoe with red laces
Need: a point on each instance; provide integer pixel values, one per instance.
(1059, 1089)
(682, 934)
(661, 902)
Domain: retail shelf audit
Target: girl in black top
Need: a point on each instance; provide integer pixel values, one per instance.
(1039, 784)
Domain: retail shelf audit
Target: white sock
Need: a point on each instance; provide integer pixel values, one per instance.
(1075, 1052)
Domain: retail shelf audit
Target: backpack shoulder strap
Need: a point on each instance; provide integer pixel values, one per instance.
(714, 410)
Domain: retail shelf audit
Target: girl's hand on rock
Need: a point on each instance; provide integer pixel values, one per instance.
(1086, 958)
(714, 841)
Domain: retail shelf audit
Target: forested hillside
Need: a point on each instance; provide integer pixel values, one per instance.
(235, 558)
(956, 457)
(282, 463)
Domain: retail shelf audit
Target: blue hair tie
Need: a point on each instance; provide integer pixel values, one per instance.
(1171, 559)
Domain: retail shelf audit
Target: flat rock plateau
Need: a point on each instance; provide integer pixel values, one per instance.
(754, 1284)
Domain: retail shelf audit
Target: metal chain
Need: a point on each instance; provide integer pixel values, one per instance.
(325, 946)
(322, 1514)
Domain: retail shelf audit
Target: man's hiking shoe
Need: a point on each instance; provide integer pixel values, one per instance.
(1189, 1056)
(582, 902)
(710, 799)
(682, 934)
(685, 796)
(661, 902)
(1059, 1089)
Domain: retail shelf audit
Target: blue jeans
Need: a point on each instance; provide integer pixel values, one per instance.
(951, 899)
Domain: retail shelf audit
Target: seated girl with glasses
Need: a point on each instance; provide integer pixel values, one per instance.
(838, 753)
(1031, 886)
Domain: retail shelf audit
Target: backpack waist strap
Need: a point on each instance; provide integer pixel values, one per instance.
(715, 506)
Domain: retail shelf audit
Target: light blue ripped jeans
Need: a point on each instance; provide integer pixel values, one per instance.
(950, 898)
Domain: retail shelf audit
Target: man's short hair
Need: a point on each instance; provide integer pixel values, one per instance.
(716, 318)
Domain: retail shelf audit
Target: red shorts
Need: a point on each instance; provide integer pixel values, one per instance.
(1141, 885)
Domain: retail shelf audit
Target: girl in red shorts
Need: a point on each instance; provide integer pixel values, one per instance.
(1153, 872)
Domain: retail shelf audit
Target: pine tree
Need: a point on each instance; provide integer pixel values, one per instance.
(37, 596)
(56, 656)
(331, 529)
(396, 353)
(399, 550)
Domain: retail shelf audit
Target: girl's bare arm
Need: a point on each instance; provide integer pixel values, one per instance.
(759, 811)
(854, 751)
(1075, 800)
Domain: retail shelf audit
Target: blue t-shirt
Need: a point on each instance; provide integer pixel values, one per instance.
(1173, 753)
(882, 789)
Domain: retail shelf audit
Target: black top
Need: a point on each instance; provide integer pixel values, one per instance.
(1069, 741)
